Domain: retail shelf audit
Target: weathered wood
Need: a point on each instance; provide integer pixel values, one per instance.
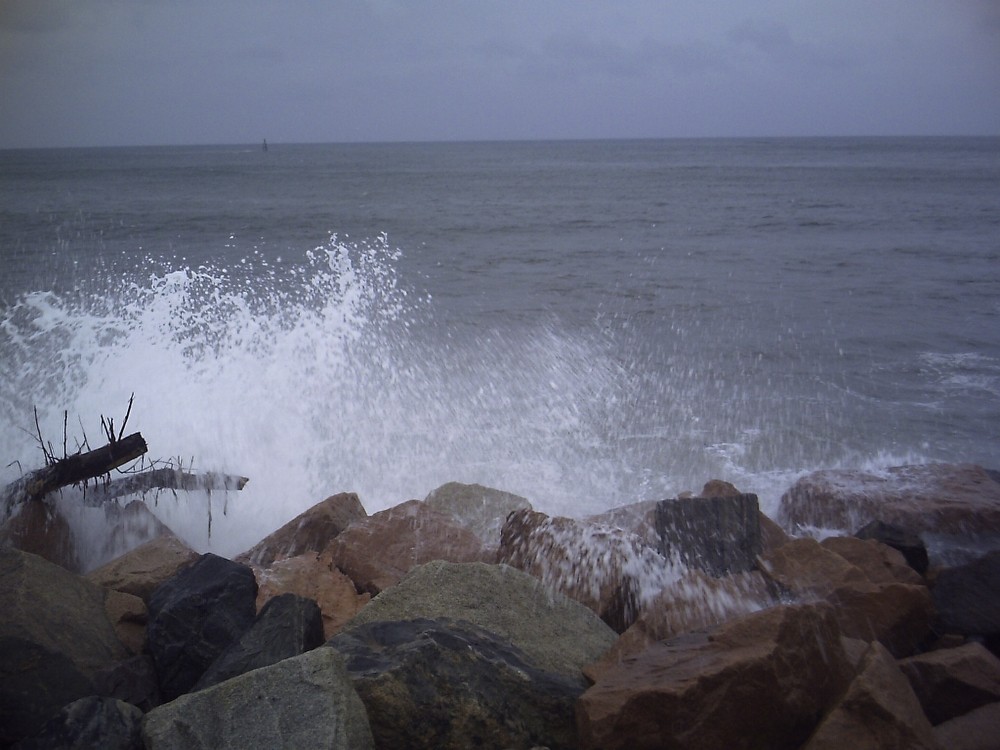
(163, 479)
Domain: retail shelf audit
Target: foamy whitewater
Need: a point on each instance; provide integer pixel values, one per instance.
(584, 324)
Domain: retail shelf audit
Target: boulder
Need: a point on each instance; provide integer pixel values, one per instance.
(608, 570)
(90, 722)
(907, 543)
(967, 597)
(194, 616)
(805, 568)
(694, 602)
(976, 730)
(482, 510)
(899, 615)
(760, 681)
(879, 562)
(287, 626)
(35, 682)
(304, 702)
(310, 531)
(555, 633)
(719, 535)
(380, 549)
(132, 680)
(128, 615)
(142, 569)
(953, 681)
(878, 711)
(440, 684)
(45, 604)
(637, 518)
(40, 529)
(314, 578)
(960, 500)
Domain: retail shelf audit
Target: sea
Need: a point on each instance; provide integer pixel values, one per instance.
(587, 324)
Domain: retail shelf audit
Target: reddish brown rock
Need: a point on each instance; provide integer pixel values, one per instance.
(127, 613)
(310, 531)
(637, 518)
(694, 602)
(40, 529)
(879, 562)
(772, 535)
(953, 681)
(762, 681)
(314, 578)
(958, 499)
(976, 730)
(878, 712)
(897, 615)
(144, 568)
(805, 568)
(608, 570)
(377, 551)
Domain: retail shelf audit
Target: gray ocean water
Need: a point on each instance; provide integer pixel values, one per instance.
(587, 324)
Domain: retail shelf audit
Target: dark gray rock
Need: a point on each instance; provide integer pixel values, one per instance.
(91, 723)
(195, 616)
(967, 597)
(35, 683)
(441, 684)
(287, 626)
(908, 543)
(307, 701)
(133, 681)
(719, 535)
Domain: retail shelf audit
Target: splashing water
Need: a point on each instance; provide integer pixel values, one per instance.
(310, 380)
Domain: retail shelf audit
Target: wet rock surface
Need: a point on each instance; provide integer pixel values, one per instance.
(835, 643)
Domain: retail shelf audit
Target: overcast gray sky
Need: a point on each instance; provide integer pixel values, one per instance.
(123, 72)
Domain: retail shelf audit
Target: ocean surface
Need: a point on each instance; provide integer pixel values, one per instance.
(587, 324)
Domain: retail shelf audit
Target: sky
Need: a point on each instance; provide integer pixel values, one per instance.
(151, 72)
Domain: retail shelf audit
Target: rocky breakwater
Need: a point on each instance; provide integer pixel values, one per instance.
(471, 620)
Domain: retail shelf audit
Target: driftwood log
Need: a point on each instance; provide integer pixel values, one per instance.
(80, 468)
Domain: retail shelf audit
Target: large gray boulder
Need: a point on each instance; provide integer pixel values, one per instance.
(307, 701)
(447, 684)
(482, 510)
(194, 616)
(55, 638)
(719, 535)
(555, 633)
(287, 626)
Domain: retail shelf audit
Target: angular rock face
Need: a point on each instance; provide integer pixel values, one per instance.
(878, 711)
(719, 535)
(976, 730)
(555, 633)
(379, 550)
(609, 571)
(637, 518)
(194, 616)
(907, 543)
(967, 597)
(879, 562)
(444, 684)
(288, 625)
(482, 510)
(317, 579)
(90, 722)
(45, 604)
(141, 570)
(953, 681)
(695, 602)
(899, 615)
(955, 499)
(304, 702)
(761, 681)
(310, 531)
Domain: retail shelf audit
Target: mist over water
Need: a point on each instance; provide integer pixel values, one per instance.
(586, 325)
